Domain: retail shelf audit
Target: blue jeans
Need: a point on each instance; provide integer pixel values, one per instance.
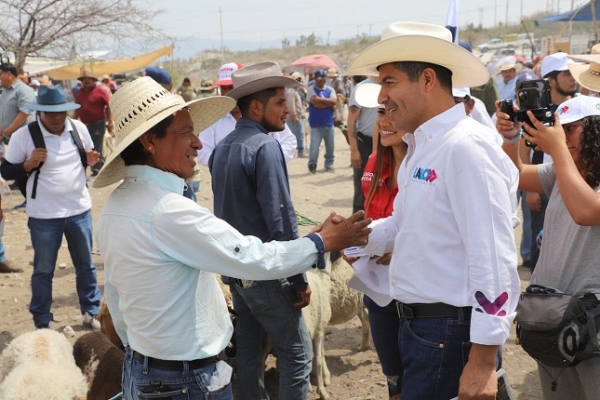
(385, 325)
(141, 382)
(318, 133)
(434, 352)
(525, 248)
(46, 238)
(2, 251)
(265, 309)
(298, 131)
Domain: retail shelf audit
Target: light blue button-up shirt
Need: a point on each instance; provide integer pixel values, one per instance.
(161, 251)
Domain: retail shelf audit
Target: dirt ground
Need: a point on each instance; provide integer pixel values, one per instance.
(355, 375)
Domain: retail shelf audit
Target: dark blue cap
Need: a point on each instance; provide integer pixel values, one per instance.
(466, 46)
(160, 75)
(320, 73)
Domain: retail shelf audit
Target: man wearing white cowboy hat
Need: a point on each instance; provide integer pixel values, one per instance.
(252, 193)
(453, 270)
(161, 250)
(58, 200)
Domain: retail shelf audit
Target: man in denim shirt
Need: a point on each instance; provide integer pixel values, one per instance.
(252, 193)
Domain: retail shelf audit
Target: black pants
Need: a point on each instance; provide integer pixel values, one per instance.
(365, 148)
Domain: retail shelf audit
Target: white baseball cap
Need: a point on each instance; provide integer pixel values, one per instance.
(225, 73)
(461, 92)
(578, 108)
(555, 62)
(367, 93)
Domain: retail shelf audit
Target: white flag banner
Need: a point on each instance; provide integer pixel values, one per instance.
(452, 20)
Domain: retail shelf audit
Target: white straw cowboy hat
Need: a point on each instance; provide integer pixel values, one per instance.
(257, 77)
(142, 104)
(420, 42)
(587, 75)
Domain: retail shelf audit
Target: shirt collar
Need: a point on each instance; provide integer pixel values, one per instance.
(439, 124)
(165, 180)
(45, 132)
(249, 123)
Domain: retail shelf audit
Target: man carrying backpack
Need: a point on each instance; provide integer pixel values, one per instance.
(53, 152)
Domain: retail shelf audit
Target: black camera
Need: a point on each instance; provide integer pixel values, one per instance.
(534, 96)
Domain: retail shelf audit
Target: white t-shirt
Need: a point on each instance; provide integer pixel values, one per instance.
(61, 186)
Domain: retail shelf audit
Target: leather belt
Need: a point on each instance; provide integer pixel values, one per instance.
(170, 365)
(424, 310)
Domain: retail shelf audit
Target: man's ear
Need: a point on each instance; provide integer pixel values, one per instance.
(470, 105)
(148, 143)
(429, 78)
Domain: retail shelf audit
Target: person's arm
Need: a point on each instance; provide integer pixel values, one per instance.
(321, 102)
(183, 230)
(582, 201)
(290, 99)
(19, 121)
(477, 174)
(288, 142)
(528, 177)
(110, 123)
(355, 157)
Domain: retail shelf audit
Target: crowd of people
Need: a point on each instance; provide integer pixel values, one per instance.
(440, 171)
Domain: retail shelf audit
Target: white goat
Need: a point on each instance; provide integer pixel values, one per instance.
(39, 365)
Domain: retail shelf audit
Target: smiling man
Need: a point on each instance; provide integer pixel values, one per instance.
(453, 271)
(252, 193)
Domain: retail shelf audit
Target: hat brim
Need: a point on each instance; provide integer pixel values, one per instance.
(262, 84)
(583, 76)
(467, 70)
(204, 113)
(53, 108)
(366, 95)
(225, 82)
(81, 78)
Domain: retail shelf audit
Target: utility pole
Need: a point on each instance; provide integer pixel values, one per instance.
(221, 29)
(495, 13)
(370, 26)
(357, 30)
(480, 9)
(506, 18)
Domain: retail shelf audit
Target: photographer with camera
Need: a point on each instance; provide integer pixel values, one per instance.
(569, 252)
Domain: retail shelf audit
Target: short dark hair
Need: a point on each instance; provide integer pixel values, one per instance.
(263, 96)
(589, 153)
(8, 67)
(414, 68)
(551, 74)
(135, 154)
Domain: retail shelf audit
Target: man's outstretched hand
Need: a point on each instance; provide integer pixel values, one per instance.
(339, 233)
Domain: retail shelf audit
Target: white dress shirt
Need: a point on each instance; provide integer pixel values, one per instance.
(212, 135)
(161, 251)
(452, 228)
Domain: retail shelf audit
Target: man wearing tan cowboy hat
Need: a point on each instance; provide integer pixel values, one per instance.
(161, 250)
(252, 193)
(94, 113)
(58, 201)
(211, 136)
(453, 272)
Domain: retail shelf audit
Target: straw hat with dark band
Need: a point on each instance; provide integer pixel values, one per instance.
(587, 75)
(420, 42)
(142, 104)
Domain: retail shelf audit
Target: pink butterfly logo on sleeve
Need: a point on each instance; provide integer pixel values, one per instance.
(489, 307)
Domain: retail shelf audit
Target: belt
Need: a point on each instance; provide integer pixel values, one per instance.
(173, 365)
(424, 310)
(364, 138)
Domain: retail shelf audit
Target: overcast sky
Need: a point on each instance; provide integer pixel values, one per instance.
(268, 20)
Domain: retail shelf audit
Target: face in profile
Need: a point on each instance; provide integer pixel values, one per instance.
(275, 112)
(177, 151)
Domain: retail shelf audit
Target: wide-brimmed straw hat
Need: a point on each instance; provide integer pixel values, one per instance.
(140, 105)
(587, 75)
(420, 42)
(52, 99)
(257, 77)
(87, 75)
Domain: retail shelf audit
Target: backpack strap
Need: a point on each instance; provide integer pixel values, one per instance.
(79, 143)
(38, 142)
